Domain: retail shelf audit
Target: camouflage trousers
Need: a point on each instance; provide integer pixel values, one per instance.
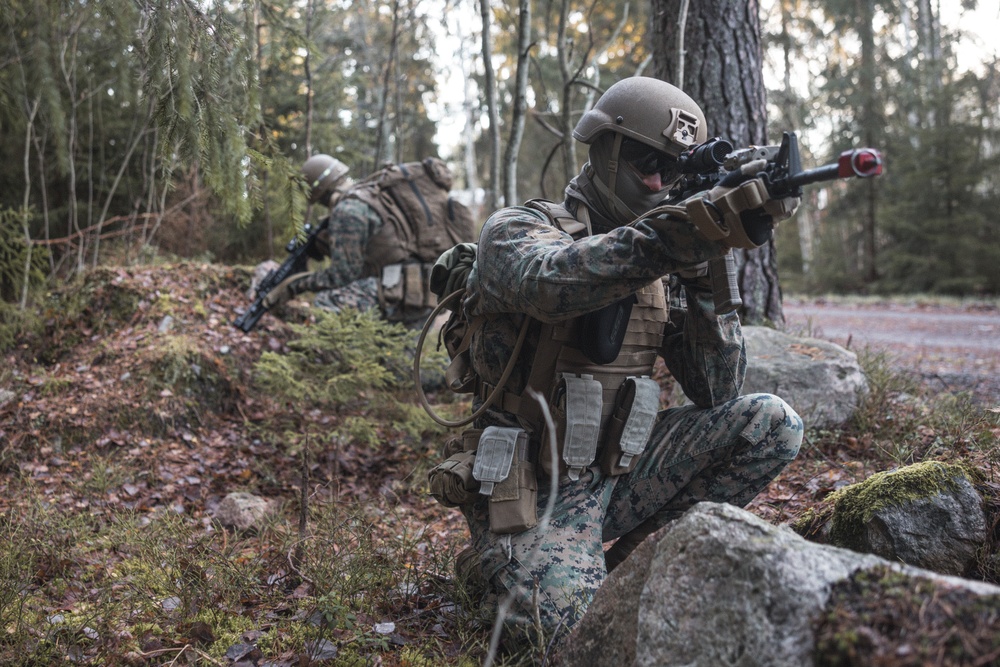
(363, 295)
(360, 294)
(724, 454)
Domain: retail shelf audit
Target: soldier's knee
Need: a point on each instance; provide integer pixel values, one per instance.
(773, 426)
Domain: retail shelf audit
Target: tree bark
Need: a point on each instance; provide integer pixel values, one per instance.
(868, 115)
(715, 46)
(493, 192)
(520, 103)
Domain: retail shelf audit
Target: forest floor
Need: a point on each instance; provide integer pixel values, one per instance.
(140, 401)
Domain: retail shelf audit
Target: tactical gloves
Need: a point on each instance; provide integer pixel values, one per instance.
(739, 211)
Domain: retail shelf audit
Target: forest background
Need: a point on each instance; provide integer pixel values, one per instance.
(135, 129)
(136, 133)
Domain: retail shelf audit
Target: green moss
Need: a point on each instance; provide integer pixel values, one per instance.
(179, 364)
(881, 616)
(855, 505)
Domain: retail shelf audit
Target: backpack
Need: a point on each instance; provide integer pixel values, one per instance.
(424, 220)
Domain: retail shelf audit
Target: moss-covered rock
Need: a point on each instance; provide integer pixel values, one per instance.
(927, 514)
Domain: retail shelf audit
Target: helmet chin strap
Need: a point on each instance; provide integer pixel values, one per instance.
(613, 163)
(619, 208)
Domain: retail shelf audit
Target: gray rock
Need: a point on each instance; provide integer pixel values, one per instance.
(6, 395)
(821, 380)
(243, 511)
(928, 515)
(720, 586)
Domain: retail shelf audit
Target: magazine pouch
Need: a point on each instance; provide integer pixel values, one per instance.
(507, 476)
(636, 406)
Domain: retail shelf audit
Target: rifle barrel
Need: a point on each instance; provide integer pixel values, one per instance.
(857, 163)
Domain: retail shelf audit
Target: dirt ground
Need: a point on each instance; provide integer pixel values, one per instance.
(951, 347)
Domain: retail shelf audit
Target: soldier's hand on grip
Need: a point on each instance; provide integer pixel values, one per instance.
(739, 211)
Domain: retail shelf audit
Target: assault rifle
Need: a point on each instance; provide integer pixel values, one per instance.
(299, 253)
(716, 163)
(712, 163)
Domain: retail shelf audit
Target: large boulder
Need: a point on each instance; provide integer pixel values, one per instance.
(720, 586)
(928, 514)
(821, 380)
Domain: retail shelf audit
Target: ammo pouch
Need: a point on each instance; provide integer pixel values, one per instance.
(507, 476)
(403, 290)
(636, 406)
(576, 412)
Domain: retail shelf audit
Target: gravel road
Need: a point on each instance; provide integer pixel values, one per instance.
(950, 347)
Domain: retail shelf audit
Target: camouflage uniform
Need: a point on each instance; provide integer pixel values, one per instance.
(724, 448)
(344, 283)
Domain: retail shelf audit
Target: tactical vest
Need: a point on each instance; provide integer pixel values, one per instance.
(602, 411)
(420, 221)
(601, 399)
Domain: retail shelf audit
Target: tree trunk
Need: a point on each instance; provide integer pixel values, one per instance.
(493, 192)
(713, 52)
(868, 116)
(520, 103)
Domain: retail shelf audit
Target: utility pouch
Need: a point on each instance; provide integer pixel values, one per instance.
(452, 482)
(507, 476)
(636, 406)
(577, 415)
(391, 286)
(413, 286)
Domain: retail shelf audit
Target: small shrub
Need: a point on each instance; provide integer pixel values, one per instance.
(347, 362)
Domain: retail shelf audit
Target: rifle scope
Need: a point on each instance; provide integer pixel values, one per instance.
(704, 158)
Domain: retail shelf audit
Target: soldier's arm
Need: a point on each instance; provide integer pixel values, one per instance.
(705, 352)
(527, 265)
(352, 225)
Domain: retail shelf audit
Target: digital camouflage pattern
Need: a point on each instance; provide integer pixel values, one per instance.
(360, 294)
(353, 223)
(723, 448)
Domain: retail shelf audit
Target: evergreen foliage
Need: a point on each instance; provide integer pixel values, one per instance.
(934, 207)
(19, 261)
(344, 361)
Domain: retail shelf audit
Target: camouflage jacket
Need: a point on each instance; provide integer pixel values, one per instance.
(353, 223)
(526, 266)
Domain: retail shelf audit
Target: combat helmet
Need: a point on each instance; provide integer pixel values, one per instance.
(648, 110)
(642, 123)
(323, 173)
